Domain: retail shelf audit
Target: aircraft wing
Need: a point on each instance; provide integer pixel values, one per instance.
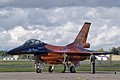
(42, 53)
(86, 53)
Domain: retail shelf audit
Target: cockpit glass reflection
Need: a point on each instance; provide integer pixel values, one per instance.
(32, 42)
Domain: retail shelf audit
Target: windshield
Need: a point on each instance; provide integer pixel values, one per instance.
(32, 42)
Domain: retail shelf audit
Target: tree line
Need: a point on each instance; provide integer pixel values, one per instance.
(4, 54)
(113, 49)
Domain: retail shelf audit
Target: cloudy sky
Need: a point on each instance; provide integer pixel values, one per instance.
(59, 21)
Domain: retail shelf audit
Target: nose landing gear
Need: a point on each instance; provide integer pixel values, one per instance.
(38, 70)
(39, 67)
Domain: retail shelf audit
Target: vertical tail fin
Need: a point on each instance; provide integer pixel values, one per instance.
(82, 36)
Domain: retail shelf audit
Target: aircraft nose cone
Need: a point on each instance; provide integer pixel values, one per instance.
(14, 51)
(10, 52)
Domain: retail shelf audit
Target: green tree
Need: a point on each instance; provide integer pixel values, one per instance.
(101, 50)
(23, 56)
(3, 53)
(118, 49)
(113, 49)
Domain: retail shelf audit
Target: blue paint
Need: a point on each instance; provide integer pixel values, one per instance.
(30, 46)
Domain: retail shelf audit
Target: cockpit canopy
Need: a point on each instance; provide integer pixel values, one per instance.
(32, 42)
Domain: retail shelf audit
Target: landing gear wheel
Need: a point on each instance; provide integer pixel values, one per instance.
(38, 70)
(72, 69)
(50, 70)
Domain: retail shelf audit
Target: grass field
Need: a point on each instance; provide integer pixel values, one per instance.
(27, 66)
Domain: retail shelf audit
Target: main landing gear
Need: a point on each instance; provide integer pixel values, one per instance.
(50, 69)
(71, 69)
(39, 68)
(67, 65)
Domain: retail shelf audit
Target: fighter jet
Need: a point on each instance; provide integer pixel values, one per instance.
(68, 55)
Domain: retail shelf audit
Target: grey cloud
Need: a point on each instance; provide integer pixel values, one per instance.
(60, 24)
(11, 17)
(58, 3)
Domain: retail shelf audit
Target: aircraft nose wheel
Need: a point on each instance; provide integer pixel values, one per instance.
(38, 70)
(72, 69)
(38, 66)
(50, 69)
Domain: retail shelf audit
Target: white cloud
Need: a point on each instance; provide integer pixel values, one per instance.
(106, 37)
(59, 26)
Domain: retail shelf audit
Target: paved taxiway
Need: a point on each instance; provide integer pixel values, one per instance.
(59, 76)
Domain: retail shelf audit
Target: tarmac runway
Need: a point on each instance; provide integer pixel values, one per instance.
(59, 76)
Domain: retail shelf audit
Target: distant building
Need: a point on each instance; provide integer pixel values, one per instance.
(103, 57)
(14, 57)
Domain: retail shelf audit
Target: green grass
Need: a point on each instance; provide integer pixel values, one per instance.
(16, 66)
(27, 66)
(103, 66)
